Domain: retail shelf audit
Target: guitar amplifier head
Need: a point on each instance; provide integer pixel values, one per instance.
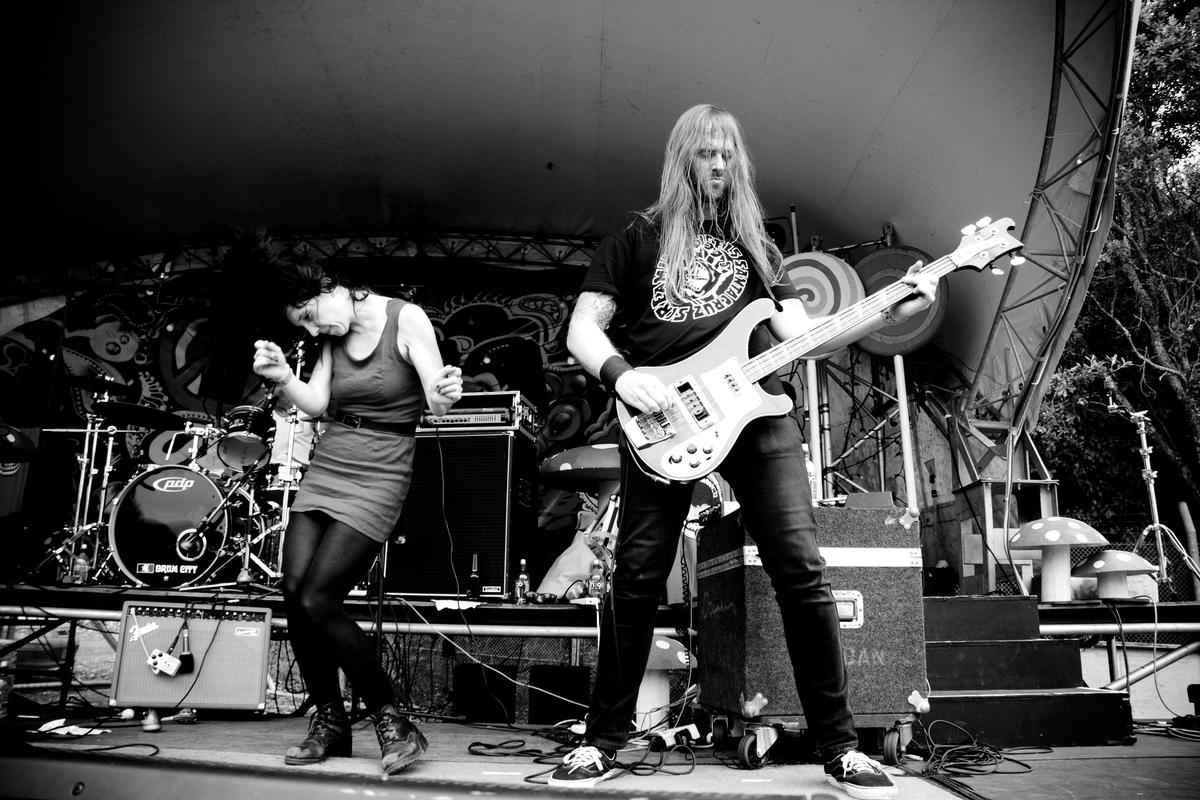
(486, 411)
(228, 666)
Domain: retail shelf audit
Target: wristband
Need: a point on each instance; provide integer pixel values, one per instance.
(280, 384)
(613, 368)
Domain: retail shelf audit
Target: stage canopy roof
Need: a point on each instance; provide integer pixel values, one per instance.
(146, 127)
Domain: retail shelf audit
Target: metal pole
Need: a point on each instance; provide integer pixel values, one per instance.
(910, 482)
(815, 453)
(1189, 532)
(1146, 670)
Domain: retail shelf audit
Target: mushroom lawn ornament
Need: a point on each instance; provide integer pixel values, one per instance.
(1055, 536)
(1111, 568)
(654, 695)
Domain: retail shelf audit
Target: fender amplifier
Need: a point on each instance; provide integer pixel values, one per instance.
(228, 666)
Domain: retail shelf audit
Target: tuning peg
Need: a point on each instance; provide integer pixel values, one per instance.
(968, 230)
(1016, 260)
(997, 271)
(983, 222)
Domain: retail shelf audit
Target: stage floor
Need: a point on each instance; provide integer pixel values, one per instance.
(232, 758)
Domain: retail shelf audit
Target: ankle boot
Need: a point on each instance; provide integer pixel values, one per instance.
(328, 735)
(399, 740)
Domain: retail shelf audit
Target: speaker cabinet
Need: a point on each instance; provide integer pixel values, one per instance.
(874, 566)
(473, 494)
(229, 646)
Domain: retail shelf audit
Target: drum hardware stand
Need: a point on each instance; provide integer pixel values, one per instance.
(80, 527)
(196, 433)
(291, 478)
(1148, 475)
(243, 580)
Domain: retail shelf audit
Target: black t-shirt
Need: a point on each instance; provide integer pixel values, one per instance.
(647, 326)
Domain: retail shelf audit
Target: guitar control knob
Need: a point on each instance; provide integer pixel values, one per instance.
(707, 449)
(691, 448)
(694, 464)
(675, 458)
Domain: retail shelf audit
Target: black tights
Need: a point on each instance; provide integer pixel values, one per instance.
(322, 560)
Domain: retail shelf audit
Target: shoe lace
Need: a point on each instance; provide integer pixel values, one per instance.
(323, 721)
(388, 727)
(855, 762)
(586, 756)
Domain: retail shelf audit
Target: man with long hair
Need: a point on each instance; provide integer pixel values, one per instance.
(671, 277)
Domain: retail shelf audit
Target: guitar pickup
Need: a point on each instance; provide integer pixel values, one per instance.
(693, 404)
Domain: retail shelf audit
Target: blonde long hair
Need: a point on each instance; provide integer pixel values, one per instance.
(679, 209)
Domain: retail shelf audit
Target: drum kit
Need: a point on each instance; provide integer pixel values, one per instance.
(207, 506)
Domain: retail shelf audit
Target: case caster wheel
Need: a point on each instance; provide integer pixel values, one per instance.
(748, 754)
(720, 733)
(891, 747)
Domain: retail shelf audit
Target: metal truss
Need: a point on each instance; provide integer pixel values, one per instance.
(530, 251)
(995, 416)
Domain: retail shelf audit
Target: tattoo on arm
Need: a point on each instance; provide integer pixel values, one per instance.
(598, 307)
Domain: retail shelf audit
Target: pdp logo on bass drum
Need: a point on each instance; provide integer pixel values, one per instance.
(173, 484)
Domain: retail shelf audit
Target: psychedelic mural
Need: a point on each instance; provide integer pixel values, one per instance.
(165, 350)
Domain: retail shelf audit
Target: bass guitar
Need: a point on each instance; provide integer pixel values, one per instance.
(716, 391)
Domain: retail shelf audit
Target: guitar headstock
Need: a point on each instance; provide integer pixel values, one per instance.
(984, 242)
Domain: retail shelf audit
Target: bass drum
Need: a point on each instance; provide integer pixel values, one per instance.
(153, 529)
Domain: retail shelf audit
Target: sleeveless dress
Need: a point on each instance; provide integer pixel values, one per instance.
(359, 476)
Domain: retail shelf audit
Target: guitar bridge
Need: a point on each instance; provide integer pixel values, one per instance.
(654, 428)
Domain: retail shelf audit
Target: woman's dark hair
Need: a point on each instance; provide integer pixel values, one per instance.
(294, 274)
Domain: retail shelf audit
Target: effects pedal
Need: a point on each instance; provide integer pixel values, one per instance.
(163, 663)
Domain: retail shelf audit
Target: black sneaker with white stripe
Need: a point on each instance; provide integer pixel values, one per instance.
(859, 776)
(584, 767)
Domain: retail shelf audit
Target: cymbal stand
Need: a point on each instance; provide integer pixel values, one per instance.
(81, 527)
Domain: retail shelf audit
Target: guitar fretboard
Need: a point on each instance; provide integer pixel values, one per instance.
(830, 328)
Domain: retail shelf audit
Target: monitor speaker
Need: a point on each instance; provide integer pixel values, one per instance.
(472, 498)
(228, 666)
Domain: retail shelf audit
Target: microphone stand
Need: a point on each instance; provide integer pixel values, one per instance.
(243, 580)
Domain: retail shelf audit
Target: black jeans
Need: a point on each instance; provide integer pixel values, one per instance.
(770, 480)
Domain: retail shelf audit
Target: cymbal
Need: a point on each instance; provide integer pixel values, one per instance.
(15, 446)
(140, 416)
(100, 384)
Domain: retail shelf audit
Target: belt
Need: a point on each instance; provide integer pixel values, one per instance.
(355, 421)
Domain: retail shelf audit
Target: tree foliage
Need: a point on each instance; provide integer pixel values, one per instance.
(1138, 328)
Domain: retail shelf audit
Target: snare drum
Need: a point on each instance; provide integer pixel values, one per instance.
(247, 438)
(153, 529)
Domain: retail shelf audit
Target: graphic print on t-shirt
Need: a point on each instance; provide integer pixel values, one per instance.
(716, 278)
